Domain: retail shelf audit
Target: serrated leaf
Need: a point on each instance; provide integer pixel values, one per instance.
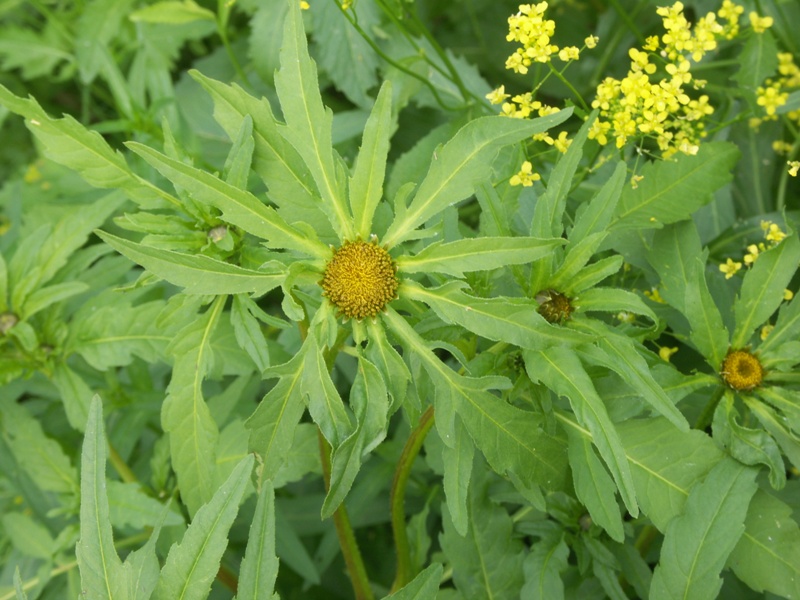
(308, 121)
(500, 319)
(248, 331)
(390, 364)
(697, 542)
(457, 461)
(18, 589)
(260, 564)
(191, 566)
(75, 394)
(99, 564)
(543, 567)
(762, 288)
(708, 332)
(487, 562)
(324, 403)
(239, 207)
(508, 437)
(595, 215)
(423, 587)
(185, 415)
(68, 143)
(272, 424)
(476, 254)
(128, 505)
(593, 487)
(673, 189)
(198, 274)
(36, 54)
(28, 535)
(561, 371)
(51, 294)
(767, 557)
(461, 164)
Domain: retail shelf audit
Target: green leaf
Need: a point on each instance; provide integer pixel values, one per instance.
(708, 332)
(185, 415)
(457, 461)
(240, 157)
(767, 557)
(612, 300)
(487, 562)
(172, 12)
(366, 183)
(778, 427)
(543, 566)
(308, 122)
(673, 189)
(128, 505)
(461, 164)
(18, 589)
(260, 564)
(592, 275)
(561, 371)
(758, 60)
(42, 458)
(697, 542)
(49, 295)
(99, 564)
(198, 274)
(239, 207)
(191, 566)
(324, 403)
(510, 439)
(576, 257)
(75, 394)
(595, 215)
(248, 330)
(36, 54)
(501, 319)
(423, 587)
(548, 216)
(476, 254)
(272, 424)
(787, 328)
(390, 364)
(593, 487)
(68, 143)
(762, 288)
(28, 535)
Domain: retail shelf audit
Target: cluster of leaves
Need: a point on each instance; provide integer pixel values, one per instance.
(505, 427)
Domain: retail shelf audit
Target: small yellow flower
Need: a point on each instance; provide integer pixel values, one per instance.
(772, 232)
(730, 268)
(752, 254)
(635, 181)
(626, 317)
(781, 147)
(788, 294)
(665, 353)
(651, 43)
(759, 24)
(794, 166)
(526, 176)
(765, 331)
(304, 5)
(562, 142)
(591, 41)
(654, 295)
(568, 53)
(497, 96)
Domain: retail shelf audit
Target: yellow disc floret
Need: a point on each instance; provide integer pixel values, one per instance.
(741, 370)
(360, 279)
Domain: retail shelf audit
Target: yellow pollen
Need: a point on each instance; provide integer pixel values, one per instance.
(554, 306)
(360, 279)
(741, 370)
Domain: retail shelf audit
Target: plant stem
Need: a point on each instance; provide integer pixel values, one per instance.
(705, 417)
(120, 466)
(227, 578)
(645, 540)
(344, 531)
(397, 498)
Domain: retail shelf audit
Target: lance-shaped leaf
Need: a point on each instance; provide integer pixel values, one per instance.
(191, 566)
(476, 254)
(595, 216)
(324, 403)
(673, 189)
(309, 122)
(762, 288)
(185, 415)
(457, 461)
(708, 332)
(198, 274)
(501, 319)
(260, 564)
(561, 371)
(612, 300)
(99, 564)
(239, 207)
(68, 143)
(511, 439)
(787, 328)
(366, 184)
(697, 543)
(543, 566)
(272, 424)
(461, 164)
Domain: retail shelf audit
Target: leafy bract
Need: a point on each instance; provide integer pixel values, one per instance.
(260, 565)
(461, 164)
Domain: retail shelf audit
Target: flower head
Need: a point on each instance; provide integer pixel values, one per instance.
(525, 177)
(741, 370)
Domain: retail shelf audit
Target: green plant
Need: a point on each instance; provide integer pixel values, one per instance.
(334, 346)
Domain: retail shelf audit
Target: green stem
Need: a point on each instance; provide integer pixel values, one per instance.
(223, 35)
(646, 538)
(705, 417)
(397, 498)
(571, 88)
(120, 466)
(344, 531)
(622, 12)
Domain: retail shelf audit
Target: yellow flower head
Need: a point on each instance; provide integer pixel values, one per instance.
(304, 5)
(741, 370)
(497, 96)
(569, 53)
(665, 353)
(759, 24)
(591, 41)
(794, 166)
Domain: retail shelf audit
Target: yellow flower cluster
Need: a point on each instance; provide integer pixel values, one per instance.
(643, 104)
(533, 32)
(526, 176)
(773, 234)
(775, 92)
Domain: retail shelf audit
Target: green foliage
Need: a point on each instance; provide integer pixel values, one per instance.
(578, 379)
